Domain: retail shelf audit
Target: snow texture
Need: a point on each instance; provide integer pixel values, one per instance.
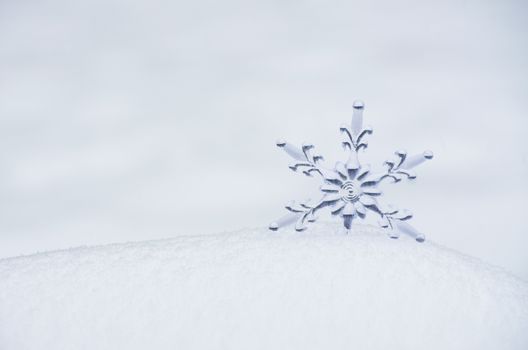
(256, 289)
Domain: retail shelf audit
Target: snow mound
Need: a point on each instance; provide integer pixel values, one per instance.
(257, 289)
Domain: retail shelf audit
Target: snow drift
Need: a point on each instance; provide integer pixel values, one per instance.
(256, 289)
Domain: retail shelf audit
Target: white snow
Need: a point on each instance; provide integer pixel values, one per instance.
(256, 289)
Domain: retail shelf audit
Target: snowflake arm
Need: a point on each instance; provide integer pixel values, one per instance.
(401, 167)
(302, 213)
(395, 222)
(305, 161)
(355, 136)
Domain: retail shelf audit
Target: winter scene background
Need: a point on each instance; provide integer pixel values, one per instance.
(154, 123)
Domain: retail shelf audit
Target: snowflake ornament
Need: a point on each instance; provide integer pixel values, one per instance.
(350, 189)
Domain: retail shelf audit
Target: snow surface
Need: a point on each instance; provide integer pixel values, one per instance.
(256, 289)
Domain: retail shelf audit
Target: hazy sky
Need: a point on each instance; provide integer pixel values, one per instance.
(135, 120)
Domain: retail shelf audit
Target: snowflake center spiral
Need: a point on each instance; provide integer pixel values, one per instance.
(350, 192)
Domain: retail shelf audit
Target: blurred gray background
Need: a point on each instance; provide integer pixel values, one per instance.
(137, 120)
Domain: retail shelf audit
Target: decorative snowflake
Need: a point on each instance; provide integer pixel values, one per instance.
(350, 189)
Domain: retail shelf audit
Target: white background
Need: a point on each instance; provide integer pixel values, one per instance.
(136, 120)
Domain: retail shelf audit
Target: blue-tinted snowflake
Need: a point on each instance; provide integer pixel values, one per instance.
(350, 190)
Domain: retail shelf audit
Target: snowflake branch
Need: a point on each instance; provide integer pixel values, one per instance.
(400, 168)
(395, 222)
(307, 161)
(355, 135)
(304, 212)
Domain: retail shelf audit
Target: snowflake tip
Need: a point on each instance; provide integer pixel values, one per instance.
(428, 154)
(358, 104)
